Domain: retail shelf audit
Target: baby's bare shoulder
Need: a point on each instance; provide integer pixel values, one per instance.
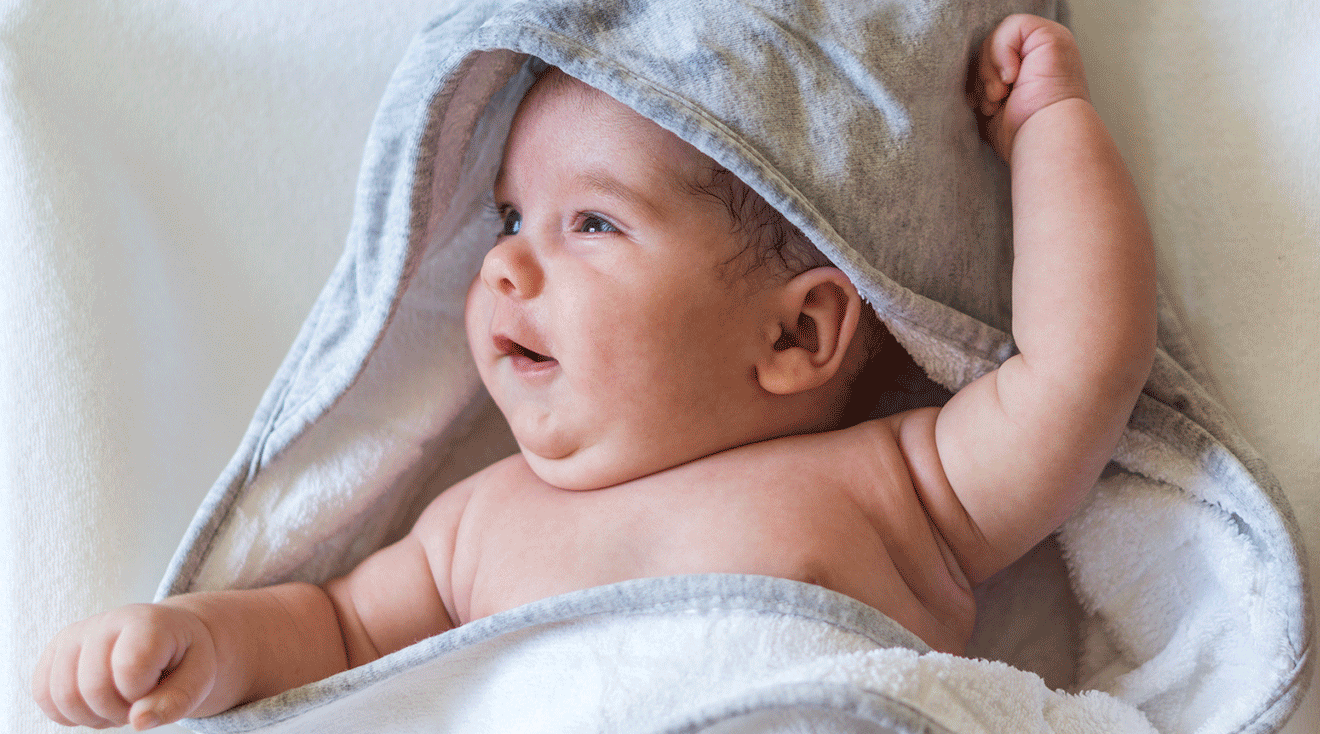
(857, 504)
(452, 512)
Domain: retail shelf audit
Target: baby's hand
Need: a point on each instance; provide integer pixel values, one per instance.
(144, 664)
(1026, 64)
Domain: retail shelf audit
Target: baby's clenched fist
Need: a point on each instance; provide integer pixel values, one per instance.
(1025, 65)
(142, 664)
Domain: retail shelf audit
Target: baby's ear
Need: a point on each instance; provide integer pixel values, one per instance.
(817, 315)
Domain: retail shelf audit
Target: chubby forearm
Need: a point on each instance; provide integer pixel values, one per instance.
(203, 653)
(1084, 265)
(267, 641)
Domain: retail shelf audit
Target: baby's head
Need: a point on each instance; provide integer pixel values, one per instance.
(643, 307)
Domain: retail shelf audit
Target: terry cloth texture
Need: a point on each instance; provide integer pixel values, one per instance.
(1174, 601)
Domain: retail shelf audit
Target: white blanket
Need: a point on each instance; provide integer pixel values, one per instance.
(652, 656)
(176, 180)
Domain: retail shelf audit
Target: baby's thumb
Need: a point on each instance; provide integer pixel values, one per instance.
(179, 693)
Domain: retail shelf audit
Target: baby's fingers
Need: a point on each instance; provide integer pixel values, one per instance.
(990, 90)
(56, 688)
(96, 682)
(161, 699)
(1001, 54)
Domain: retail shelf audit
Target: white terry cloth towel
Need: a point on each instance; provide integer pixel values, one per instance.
(144, 197)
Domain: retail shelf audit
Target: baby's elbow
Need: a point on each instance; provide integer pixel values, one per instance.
(1118, 364)
(1134, 371)
(1119, 383)
(1109, 395)
(1131, 369)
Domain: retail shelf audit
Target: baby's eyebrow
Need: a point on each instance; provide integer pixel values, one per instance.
(605, 184)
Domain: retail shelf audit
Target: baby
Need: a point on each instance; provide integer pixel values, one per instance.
(654, 333)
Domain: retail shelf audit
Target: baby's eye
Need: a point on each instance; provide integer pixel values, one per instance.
(512, 221)
(593, 224)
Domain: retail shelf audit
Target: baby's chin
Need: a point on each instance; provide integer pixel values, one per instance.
(577, 471)
(592, 467)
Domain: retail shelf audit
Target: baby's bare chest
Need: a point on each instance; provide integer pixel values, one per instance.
(518, 544)
(589, 539)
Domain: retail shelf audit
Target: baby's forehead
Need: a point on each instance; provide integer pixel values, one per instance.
(672, 157)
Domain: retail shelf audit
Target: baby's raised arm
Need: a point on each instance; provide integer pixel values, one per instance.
(1020, 447)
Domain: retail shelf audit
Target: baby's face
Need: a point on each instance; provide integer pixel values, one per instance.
(600, 323)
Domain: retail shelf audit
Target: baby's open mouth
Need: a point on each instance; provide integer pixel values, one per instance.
(534, 356)
(512, 348)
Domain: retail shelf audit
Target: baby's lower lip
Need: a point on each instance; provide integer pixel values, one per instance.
(525, 365)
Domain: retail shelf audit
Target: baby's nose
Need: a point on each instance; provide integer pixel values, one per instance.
(511, 269)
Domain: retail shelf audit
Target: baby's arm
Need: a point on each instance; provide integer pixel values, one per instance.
(402, 593)
(200, 654)
(1020, 447)
(192, 655)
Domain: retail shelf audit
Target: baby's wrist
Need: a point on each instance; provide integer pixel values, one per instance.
(1060, 108)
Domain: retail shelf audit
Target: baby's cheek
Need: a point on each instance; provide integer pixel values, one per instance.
(471, 307)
